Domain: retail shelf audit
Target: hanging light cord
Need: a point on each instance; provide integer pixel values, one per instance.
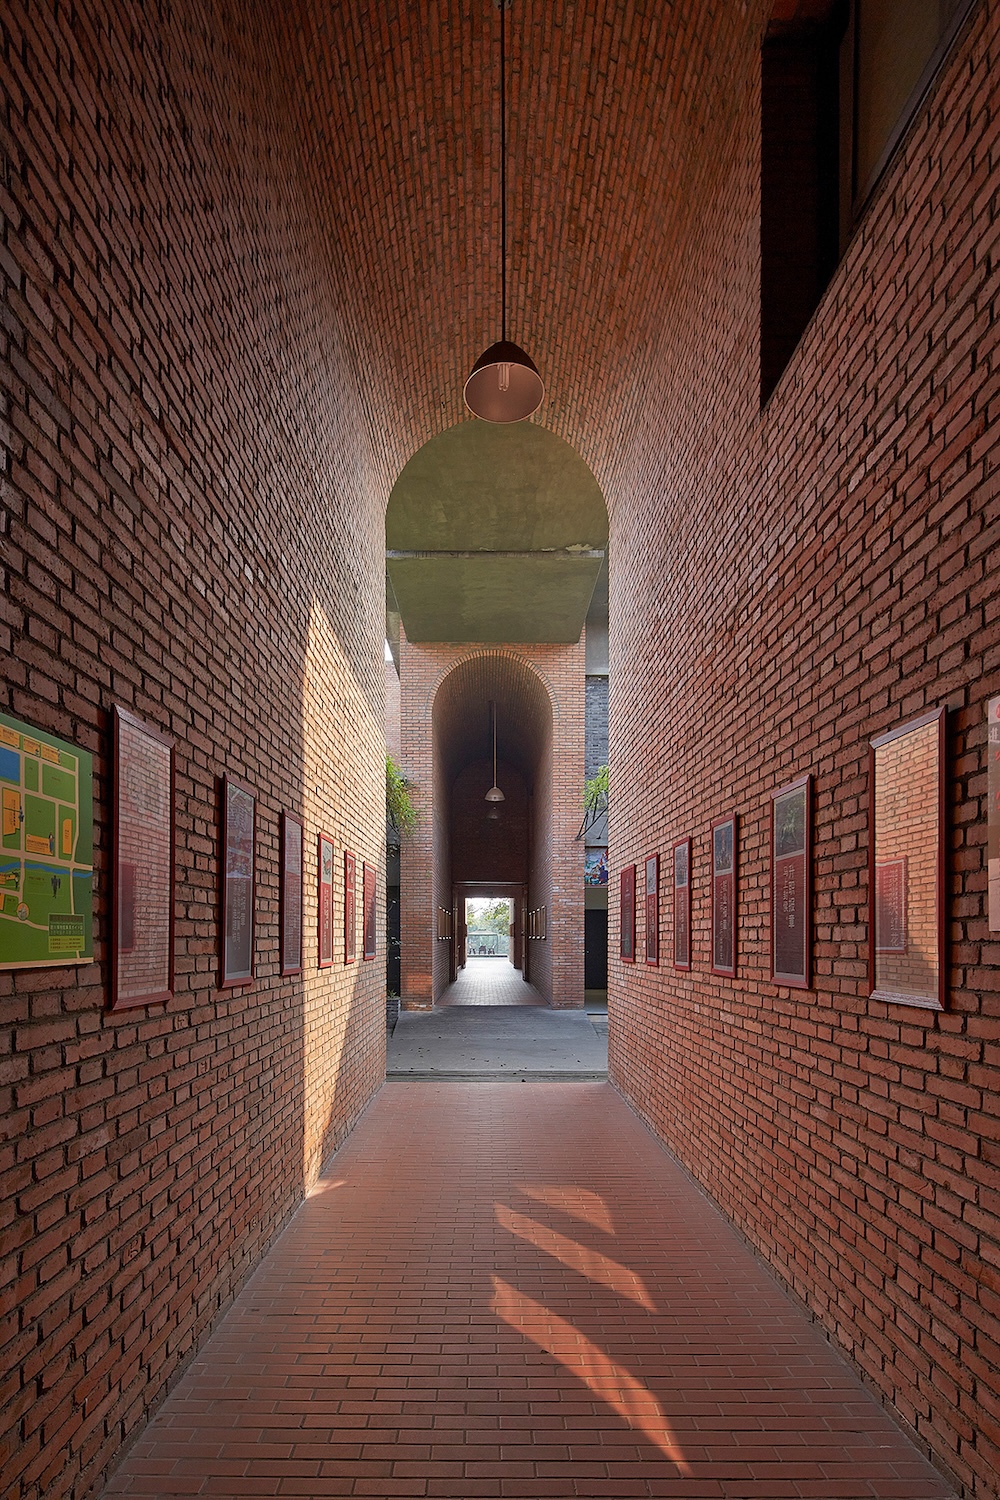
(503, 176)
(494, 708)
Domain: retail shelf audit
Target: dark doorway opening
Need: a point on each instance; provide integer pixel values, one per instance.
(595, 949)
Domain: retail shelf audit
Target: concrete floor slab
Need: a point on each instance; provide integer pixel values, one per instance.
(482, 1042)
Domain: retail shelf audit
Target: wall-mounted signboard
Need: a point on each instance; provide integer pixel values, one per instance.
(46, 849)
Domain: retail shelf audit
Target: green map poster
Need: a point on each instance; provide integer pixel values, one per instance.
(47, 849)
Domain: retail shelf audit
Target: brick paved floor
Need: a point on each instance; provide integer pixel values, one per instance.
(490, 981)
(504, 1290)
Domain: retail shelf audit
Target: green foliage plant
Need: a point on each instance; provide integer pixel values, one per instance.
(595, 793)
(399, 809)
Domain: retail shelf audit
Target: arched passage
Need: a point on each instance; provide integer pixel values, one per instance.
(529, 849)
(495, 540)
(494, 845)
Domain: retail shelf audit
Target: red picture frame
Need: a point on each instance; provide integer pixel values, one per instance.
(238, 882)
(370, 910)
(653, 909)
(681, 861)
(324, 900)
(290, 904)
(626, 941)
(350, 907)
(142, 864)
(791, 884)
(725, 894)
(889, 868)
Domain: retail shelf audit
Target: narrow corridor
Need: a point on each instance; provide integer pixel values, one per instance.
(503, 1290)
(490, 981)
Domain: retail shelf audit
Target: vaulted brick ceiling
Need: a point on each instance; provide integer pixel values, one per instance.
(462, 725)
(396, 110)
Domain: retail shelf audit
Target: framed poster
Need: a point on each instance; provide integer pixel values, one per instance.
(627, 913)
(370, 910)
(906, 860)
(239, 831)
(682, 904)
(142, 862)
(324, 901)
(350, 907)
(595, 866)
(653, 909)
(724, 895)
(993, 813)
(47, 850)
(291, 893)
(791, 884)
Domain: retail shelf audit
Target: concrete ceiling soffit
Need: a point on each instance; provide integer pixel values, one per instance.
(494, 596)
(495, 534)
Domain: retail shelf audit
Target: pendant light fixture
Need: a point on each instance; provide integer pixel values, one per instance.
(504, 385)
(494, 794)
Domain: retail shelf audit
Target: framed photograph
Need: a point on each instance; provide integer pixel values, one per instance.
(993, 813)
(791, 884)
(627, 912)
(653, 909)
(682, 904)
(350, 907)
(47, 850)
(142, 859)
(291, 893)
(906, 861)
(370, 910)
(724, 895)
(239, 832)
(595, 866)
(324, 901)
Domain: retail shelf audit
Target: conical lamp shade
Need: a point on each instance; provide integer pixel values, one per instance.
(504, 385)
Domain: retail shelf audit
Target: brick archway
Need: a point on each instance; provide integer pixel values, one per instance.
(447, 749)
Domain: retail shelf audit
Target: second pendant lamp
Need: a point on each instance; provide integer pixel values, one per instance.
(494, 795)
(504, 385)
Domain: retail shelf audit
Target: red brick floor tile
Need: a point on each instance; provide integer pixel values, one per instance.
(503, 1291)
(490, 981)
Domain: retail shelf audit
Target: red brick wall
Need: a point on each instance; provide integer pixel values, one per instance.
(393, 742)
(434, 731)
(480, 844)
(174, 415)
(816, 574)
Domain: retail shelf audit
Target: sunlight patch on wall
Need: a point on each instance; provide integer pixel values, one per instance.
(343, 797)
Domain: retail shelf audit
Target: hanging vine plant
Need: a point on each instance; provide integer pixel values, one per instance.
(595, 799)
(399, 809)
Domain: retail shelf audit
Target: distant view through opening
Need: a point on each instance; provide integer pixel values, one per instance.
(488, 927)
